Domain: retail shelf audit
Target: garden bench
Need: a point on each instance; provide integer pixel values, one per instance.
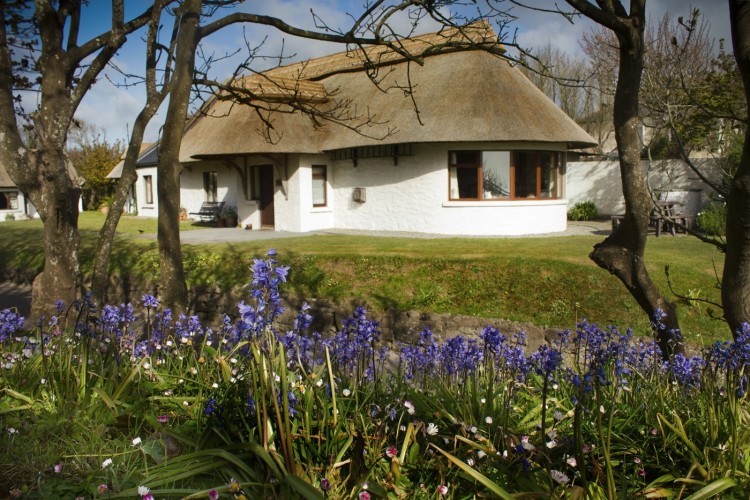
(209, 211)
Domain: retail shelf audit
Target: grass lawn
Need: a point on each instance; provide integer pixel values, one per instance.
(545, 281)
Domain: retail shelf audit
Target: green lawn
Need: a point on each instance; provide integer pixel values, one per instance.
(545, 281)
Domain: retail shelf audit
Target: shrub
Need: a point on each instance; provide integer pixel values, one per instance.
(10, 217)
(583, 210)
(713, 219)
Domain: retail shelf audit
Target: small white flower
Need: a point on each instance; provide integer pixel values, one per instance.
(106, 463)
(559, 476)
(181, 381)
(143, 491)
(319, 383)
(470, 462)
(146, 365)
(555, 387)
(215, 385)
(208, 343)
(233, 380)
(488, 420)
(185, 403)
(346, 393)
(432, 429)
(409, 407)
(43, 381)
(169, 343)
(572, 461)
(551, 444)
(473, 429)
(137, 441)
(233, 361)
(525, 444)
(483, 400)
(481, 454)
(194, 371)
(601, 409)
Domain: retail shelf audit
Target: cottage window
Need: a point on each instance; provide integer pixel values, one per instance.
(493, 175)
(210, 187)
(148, 189)
(319, 180)
(9, 200)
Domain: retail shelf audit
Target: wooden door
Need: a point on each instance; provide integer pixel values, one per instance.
(266, 196)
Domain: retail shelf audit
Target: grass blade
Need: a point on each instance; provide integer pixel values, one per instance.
(478, 476)
(713, 489)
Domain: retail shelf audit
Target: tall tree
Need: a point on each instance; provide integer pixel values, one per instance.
(622, 253)
(40, 50)
(93, 157)
(735, 291)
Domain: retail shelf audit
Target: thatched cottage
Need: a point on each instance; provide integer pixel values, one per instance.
(474, 149)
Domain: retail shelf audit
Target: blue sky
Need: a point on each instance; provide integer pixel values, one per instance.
(114, 109)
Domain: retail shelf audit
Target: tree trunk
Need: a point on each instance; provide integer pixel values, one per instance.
(622, 253)
(735, 286)
(172, 275)
(100, 275)
(57, 204)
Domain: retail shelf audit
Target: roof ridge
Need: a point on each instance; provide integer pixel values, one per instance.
(479, 33)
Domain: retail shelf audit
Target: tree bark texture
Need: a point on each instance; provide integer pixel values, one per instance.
(622, 253)
(735, 286)
(173, 292)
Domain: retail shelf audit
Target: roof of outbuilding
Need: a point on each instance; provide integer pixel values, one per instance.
(457, 96)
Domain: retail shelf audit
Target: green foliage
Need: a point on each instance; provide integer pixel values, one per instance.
(10, 217)
(583, 210)
(93, 158)
(713, 219)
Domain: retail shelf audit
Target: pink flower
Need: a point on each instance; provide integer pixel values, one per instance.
(58, 468)
(391, 452)
(162, 419)
(364, 495)
(443, 489)
(642, 472)
(213, 495)
(102, 489)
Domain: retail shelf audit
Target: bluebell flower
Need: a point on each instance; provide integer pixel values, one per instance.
(149, 301)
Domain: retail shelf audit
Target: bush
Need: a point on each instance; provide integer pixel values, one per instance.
(712, 220)
(583, 210)
(10, 217)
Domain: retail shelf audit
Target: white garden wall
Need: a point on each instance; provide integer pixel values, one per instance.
(599, 181)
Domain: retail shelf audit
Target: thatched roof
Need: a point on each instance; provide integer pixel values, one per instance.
(460, 96)
(5, 181)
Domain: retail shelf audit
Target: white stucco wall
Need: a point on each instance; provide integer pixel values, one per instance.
(20, 211)
(600, 182)
(413, 196)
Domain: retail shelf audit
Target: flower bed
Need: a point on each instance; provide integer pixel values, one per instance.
(165, 407)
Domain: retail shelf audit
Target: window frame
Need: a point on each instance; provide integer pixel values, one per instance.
(557, 162)
(11, 199)
(148, 189)
(319, 177)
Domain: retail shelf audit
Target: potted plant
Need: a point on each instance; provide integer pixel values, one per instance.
(229, 216)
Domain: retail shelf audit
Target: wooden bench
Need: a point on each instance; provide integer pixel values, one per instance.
(209, 211)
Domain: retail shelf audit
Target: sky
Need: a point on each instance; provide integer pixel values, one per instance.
(112, 108)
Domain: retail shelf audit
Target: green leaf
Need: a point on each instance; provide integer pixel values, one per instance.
(713, 489)
(478, 476)
(302, 487)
